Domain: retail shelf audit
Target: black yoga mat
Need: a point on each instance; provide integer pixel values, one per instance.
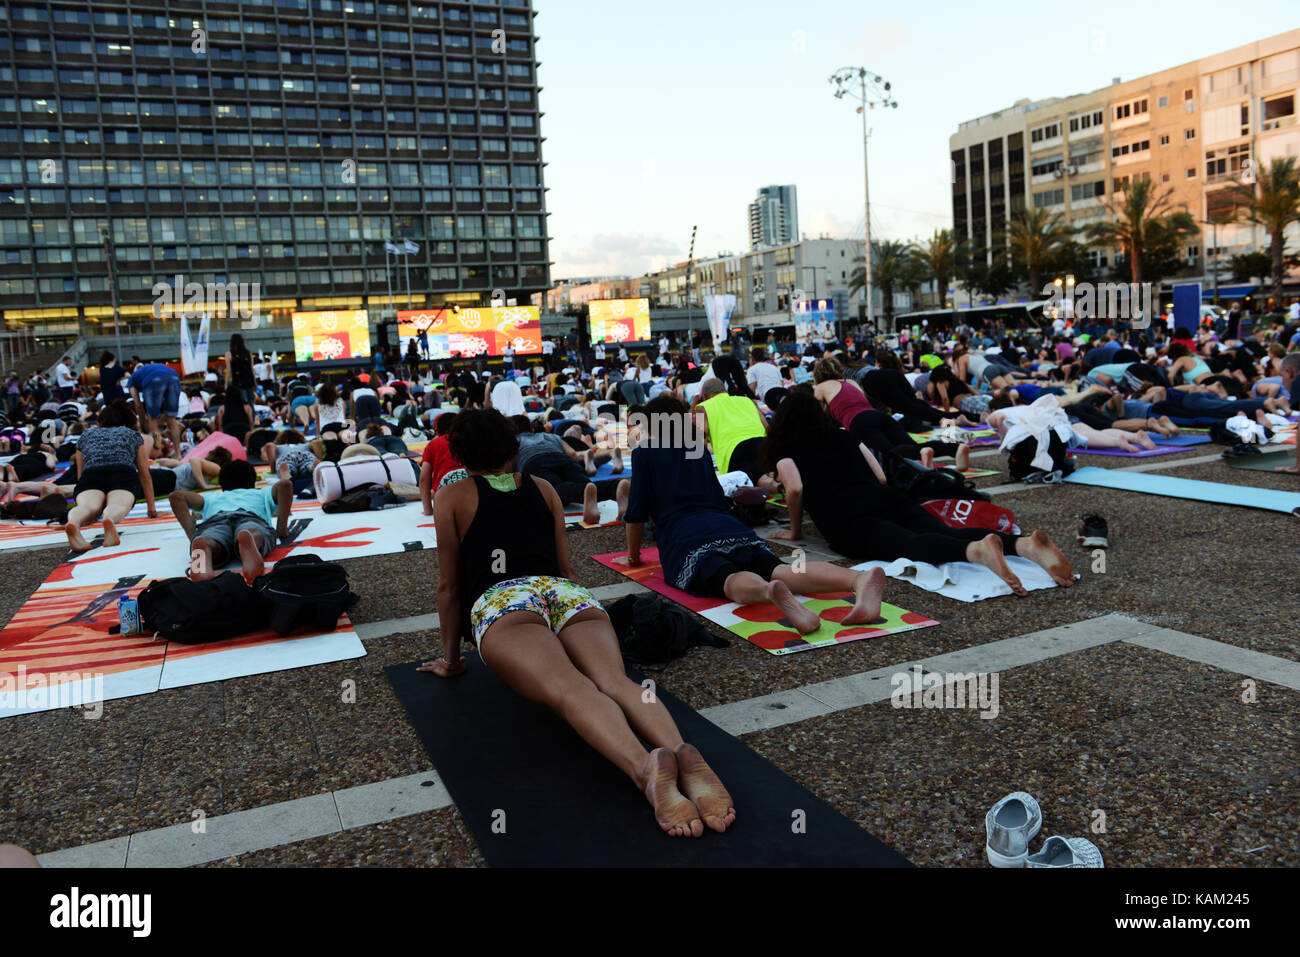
(509, 762)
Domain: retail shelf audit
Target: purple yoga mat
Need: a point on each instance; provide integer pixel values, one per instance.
(1144, 454)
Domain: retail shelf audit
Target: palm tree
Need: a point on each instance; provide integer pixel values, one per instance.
(1142, 220)
(939, 258)
(1273, 202)
(893, 266)
(1035, 238)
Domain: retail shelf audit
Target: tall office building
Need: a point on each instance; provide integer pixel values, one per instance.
(279, 142)
(774, 217)
(1192, 129)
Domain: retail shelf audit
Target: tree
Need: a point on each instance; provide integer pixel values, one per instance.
(992, 280)
(893, 267)
(1035, 238)
(1143, 219)
(939, 257)
(1273, 202)
(1257, 265)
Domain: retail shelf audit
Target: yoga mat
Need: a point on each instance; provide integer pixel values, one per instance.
(1264, 462)
(1180, 439)
(535, 795)
(1143, 454)
(1154, 484)
(764, 625)
(57, 652)
(964, 581)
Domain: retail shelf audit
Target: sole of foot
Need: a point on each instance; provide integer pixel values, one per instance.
(75, 540)
(988, 552)
(250, 557)
(590, 506)
(1038, 548)
(111, 537)
(673, 810)
(867, 589)
(804, 621)
(704, 789)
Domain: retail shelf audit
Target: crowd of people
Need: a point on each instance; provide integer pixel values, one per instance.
(507, 451)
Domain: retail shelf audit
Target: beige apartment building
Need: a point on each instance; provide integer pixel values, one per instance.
(1192, 128)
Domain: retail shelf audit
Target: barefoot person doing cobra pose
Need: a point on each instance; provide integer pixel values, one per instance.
(505, 582)
(826, 471)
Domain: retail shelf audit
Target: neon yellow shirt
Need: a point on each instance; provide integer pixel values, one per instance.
(732, 420)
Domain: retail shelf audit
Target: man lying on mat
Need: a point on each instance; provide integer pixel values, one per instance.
(235, 521)
(704, 549)
(504, 581)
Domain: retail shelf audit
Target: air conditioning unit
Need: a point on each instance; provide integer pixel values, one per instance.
(1058, 173)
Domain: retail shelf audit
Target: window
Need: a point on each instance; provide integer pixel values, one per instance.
(1164, 139)
(1189, 134)
(1191, 172)
(1162, 102)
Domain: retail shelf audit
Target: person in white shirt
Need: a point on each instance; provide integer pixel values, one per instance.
(65, 383)
(507, 398)
(548, 354)
(508, 354)
(1293, 314)
(763, 375)
(600, 350)
(663, 345)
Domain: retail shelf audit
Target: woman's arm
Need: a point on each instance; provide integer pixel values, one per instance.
(452, 662)
(788, 475)
(228, 358)
(561, 537)
(873, 464)
(146, 480)
(426, 487)
(635, 536)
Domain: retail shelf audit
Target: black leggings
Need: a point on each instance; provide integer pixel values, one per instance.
(882, 433)
(1089, 415)
(570, 482)
(886, 524)
(889, 387)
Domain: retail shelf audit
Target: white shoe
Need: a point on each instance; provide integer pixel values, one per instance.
(1066, 852)
(1010, 825)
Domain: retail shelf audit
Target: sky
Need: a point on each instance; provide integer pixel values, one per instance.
(671, 114)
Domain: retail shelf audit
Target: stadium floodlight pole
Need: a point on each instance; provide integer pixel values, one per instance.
(871, 91)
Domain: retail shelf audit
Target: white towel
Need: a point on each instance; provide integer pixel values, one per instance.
(1037, 421)
(964, 581)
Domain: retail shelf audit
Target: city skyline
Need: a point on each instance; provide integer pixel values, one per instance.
(697, 140)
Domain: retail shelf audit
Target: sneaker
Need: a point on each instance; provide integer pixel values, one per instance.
(1010, 825)
(1066, 852)
(1094, 532)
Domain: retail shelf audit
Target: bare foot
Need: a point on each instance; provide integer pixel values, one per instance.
(111, 537)
(282, 472)
(697, 781)
(590, 507)
(75, 541)
(867, 589)
(617, 467)
(250, 557)
(621, 496)
(1170, 428)
(963, 457)
(1040, 549)
(201, 565)
(988, 552)
(588, 462)
(927, 457)
(673, 810)
(804, 621)
(1144, 440)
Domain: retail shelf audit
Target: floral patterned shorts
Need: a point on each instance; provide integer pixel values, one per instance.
(452, 477)
(556, 599)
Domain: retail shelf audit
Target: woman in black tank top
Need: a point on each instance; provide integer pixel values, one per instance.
(504, 580)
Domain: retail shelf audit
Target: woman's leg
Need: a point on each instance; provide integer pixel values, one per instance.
(530, 658)
(87, 508)
(116, 506)
(814, 578)
(592, 646)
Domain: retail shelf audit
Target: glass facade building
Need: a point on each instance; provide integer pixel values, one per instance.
(276, 142)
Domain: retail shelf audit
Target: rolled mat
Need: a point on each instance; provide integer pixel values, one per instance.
(534, 794)
(1153, 484)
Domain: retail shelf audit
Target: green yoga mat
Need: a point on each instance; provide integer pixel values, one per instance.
(1153, 484)
(1265, 462)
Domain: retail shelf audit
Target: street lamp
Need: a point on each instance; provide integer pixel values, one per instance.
(1215, 224)
(870, 91)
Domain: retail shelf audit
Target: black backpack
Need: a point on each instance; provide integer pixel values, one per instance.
(194, 613)
(921, 484)
(302, 591)
(652, 631)
(1020, 457)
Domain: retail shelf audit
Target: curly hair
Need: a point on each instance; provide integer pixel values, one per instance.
(483, 440)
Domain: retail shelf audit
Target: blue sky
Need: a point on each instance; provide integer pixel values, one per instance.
(665, 115)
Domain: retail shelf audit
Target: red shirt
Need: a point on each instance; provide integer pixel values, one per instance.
(438, 454)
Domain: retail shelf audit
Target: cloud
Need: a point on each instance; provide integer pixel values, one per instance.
(615, 254)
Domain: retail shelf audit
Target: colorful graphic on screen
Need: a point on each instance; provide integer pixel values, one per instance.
(619, 320)
(466, 333)
(331, 336)
(814, 319)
